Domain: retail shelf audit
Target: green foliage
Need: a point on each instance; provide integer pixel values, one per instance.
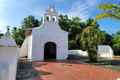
(73, 45)
(92, 55)
(73, 26)
(76, 29)
(64, 22)
(116, 43)
(116, 40)
(30, 22)
(107, 38)
(68, 24)
(90, 38)
(109, 10)
(107, 6)
(91, 35)
(18, 33)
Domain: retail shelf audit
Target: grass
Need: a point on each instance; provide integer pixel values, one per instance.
(117, 68)
(111, 64)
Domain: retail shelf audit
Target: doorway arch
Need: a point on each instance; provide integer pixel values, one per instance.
(50, 51)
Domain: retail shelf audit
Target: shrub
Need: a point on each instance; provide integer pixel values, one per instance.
(92, 55)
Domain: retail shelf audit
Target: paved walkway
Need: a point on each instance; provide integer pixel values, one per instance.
(73, 71)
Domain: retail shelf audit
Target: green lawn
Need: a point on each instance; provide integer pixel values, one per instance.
(117, 68)
(114, 65)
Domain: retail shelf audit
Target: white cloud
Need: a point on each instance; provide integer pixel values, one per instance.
(79, 9)
(82, 8)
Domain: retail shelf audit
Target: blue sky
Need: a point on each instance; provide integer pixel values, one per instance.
(12, 12)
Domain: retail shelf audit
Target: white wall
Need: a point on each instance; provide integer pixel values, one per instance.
(26, 47)
(78, 52)
(8, 59)
(4, 71)
(49, 32)
(105, 51)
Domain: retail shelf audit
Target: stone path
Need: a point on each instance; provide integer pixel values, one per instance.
(25, 71)
(70, 70)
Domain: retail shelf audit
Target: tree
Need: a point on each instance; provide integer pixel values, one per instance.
(108, 38)
(64, 22)
(116, 43)
(18, 33)
(74, 26)
(30, 22)
(116, 40)
(90, 38)
(109, 10)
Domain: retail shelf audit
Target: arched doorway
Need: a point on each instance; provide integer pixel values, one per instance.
(50, 51)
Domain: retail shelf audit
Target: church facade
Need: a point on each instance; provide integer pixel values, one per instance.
(49, 41)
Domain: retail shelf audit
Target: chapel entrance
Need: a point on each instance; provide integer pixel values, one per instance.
(50, 51)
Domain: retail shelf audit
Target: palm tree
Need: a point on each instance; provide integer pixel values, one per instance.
(109, 10)
(90, 38)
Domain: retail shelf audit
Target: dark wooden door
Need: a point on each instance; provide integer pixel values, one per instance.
(50, 51)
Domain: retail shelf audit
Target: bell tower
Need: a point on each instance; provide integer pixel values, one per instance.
(51, 15)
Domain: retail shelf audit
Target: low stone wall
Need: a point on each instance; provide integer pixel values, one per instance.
(8, 59)
(8, 63)
(4, 71)
(104, 52)
(78, 52)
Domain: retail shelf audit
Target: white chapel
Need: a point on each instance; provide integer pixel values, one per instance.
(47, 42)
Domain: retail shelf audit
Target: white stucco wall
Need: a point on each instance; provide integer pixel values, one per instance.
(4, 71)
(26, 47)
(105, 51)
(78, 52)
(49, 32)
(8, 59)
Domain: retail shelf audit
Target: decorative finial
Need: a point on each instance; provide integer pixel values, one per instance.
(52, 8)
(51, 15)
